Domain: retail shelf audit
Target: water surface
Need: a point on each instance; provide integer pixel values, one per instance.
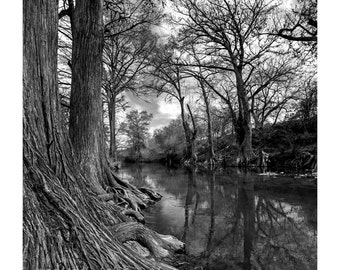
(226, 223)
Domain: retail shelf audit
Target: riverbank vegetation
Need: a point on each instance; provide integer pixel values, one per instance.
(289, 145)
(242, 73)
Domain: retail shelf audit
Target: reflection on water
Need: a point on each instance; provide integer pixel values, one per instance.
(226, 223)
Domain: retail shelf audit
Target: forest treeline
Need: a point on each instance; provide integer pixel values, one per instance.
(289, 145)
(246, 65)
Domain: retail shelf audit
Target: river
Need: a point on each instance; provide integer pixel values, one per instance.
(226, 223)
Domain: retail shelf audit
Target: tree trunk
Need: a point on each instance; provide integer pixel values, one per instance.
(86, 118)
(86, 103)
(112, 121)
(254, 115)
(244, 140)
(40, 96)
(190, 136)
(64, 224)
(243, 129)
(210, 137)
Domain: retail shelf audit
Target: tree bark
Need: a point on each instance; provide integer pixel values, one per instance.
(86, 103)
(40, 98)
(112, 121)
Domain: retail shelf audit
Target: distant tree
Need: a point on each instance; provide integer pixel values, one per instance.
(124, 58)
(199, 74)
(136, 129)
(170, 140)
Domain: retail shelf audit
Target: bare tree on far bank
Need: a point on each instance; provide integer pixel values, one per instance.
(230, 33)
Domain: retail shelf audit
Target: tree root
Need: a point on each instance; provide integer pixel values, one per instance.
(144, 252)
(138, 216)
(137, 198)
(134, 212)
(152, 194)
(159, 245)
(108, 196)
(126, 195)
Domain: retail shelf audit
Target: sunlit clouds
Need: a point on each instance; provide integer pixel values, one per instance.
(163, 111)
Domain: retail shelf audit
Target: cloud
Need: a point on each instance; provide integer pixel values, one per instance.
(163, 32)
(163, 112)
(169, 109)
(148, 104)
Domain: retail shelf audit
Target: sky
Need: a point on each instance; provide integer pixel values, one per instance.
(163, 111)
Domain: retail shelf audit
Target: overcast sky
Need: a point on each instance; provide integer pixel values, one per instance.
(163, 112)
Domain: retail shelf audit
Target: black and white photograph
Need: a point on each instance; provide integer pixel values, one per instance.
(170, 134)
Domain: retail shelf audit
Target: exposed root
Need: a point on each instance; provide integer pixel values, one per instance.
(108, 196)
(138, 216)
(138, 248)
(152, 194)
(160, 246)
(137, 198)
(144, 252)
(134, 212)
(130, 201)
